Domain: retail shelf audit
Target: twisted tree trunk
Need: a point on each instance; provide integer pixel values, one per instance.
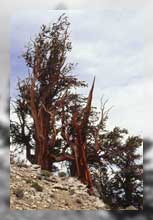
(83, 172)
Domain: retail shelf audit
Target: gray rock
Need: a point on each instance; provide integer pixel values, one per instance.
(35, 166)
(99, 204)
(60, 186)
(131, 208)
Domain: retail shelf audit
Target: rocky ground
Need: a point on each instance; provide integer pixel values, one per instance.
(9, 214)
(34, 189)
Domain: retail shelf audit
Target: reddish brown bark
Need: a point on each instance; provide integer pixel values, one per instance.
(81, 134)
(41, 123)
(52, 81)
(78, 143)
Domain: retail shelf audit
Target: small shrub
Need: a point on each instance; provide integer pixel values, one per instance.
(39, 177)
(61, 174)
(45, 173)
(72, 191)
(19, 193)
(28, 181)
(37, 186)
(79, 201)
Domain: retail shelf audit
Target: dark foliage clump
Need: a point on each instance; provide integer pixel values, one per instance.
(36, 186)
(19, 193)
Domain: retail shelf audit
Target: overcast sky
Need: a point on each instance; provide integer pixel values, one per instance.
(108, 44)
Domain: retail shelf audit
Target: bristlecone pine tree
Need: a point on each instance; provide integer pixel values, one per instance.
(59, 124)
(22, 129)
(120, 175)
(47, 96)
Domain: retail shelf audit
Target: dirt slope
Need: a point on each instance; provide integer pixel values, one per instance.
(31, 188)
